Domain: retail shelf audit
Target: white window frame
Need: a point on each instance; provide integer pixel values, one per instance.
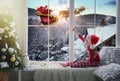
(22, 26)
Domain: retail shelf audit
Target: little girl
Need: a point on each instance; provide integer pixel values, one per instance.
(93, 59)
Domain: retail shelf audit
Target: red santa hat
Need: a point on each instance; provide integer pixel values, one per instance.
(93, 40)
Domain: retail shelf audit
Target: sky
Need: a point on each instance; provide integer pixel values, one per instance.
(107, 7)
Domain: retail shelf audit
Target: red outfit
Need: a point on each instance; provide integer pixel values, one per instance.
(92, 61)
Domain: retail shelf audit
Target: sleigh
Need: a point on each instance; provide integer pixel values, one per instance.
(47, 18)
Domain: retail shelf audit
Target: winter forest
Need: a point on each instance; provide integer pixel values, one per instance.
(48, 28)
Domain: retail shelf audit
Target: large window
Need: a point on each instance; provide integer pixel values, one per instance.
(49, 27)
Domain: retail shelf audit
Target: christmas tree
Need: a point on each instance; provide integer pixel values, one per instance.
(10, 53)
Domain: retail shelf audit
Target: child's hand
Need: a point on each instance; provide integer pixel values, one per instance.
(74, 28)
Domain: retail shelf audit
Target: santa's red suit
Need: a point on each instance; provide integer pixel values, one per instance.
(45, 18)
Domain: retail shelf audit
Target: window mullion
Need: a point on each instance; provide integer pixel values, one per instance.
(48, 34)
(118, 24)
(94, 16)
(71, 38)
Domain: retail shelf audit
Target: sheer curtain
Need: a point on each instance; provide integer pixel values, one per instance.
(20, 10)
(21, 22)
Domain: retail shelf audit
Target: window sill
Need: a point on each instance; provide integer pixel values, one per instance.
(35, 65)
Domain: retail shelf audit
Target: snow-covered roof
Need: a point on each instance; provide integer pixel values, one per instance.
(103, 32)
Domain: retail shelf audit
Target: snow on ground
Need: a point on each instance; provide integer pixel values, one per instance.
(79, 48)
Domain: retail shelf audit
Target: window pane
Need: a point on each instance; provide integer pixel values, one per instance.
(106, 20)
(60, 11)
(54, 35)
(37, 12)
(99, 18)
(59, 42)
(84, 12)
(84, 22)
(59, 32)
(44, 12)
(38, 43)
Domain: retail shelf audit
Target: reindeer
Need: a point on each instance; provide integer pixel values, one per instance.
(77, 11)
(65, 13)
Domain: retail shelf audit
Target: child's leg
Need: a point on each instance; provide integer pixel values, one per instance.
(80, 64)
(72, 64)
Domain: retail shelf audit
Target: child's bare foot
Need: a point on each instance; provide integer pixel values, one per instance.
(63, 64)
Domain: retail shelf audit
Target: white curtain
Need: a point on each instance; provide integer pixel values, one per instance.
(19, 10)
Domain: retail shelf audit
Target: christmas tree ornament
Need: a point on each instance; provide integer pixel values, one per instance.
(3, 57)
(11, 50)
(16, 63)
(3, 50)
(12, 59)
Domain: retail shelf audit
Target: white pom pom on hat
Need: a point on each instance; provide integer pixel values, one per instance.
(93, 40)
